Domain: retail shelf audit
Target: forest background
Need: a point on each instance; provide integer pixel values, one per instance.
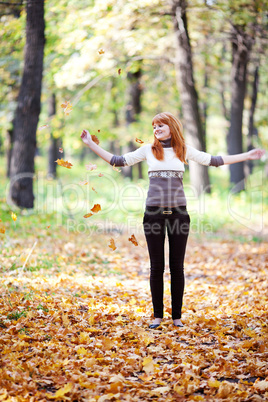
(118, 64)
(75, 301)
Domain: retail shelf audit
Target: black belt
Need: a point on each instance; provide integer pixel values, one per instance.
(167, 210)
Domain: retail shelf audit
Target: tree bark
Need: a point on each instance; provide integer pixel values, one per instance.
(222, 87)
(241, 46)
(251, 128)
(55, 143)
(28, 108)
(9, 148)
(133, 109)
(189, 98)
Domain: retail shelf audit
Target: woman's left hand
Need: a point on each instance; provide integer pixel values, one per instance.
(256, 153)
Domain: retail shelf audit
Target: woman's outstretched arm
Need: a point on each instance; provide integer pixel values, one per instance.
(86, 138)
(250, 155)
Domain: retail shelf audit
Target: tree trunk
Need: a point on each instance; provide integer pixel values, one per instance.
(251, 129)
(133, 109)
(28, 108)
(189, 98)
(9, 148)
(55, 143)
(241, 46)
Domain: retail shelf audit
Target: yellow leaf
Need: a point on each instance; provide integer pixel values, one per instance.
(112, 244)
(82, 351)
(148, 364)
(214, 383)
(61, 392)
(65, 320)
(13, 216)
(63, 163)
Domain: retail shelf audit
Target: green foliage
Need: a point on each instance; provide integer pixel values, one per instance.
(15, 315)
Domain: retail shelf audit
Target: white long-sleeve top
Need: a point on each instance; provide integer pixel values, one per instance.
(166, 186)
(170, 161)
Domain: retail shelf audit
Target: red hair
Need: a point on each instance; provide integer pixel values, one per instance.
(177, 139)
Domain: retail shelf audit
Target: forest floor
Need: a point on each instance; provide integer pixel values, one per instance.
(74, 321)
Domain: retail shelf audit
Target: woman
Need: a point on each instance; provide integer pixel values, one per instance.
(166, 202)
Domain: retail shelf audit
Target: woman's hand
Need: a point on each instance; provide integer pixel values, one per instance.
(256, 153)
(86, 137)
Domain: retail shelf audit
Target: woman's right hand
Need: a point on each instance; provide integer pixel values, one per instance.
(86, 137)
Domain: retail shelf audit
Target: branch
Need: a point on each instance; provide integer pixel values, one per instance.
(11, 4)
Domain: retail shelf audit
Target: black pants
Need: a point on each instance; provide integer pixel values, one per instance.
(155, 225)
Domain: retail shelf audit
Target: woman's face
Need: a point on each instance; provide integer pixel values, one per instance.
(161, 131)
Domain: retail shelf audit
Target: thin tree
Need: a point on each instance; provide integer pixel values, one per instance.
(189, 97)
(241, 47)
(28, 108)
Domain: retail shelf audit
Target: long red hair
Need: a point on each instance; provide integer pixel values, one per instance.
(177, 139)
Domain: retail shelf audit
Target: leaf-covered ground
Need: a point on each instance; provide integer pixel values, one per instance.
(74, 322)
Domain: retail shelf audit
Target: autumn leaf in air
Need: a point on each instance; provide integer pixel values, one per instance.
(13, 216)
(112, 244)
(133, 240)
(94, 190)
(100, 174)
(115, 168)
(95, 138)
(101, 51)
(96, 208)
(43, 127)
(90, 166)
(67, 106)
(139, 141)
(83, 183)
(63, 163)
(119, 71)
(61, 150)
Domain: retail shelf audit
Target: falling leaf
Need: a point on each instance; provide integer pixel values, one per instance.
(90, 166)
(100, 174)
(101, 51)
(2, 228)
(95, 138)
(42, 127)
(98, 131)
(48, 226)
(119, 71)
(96, 208)
(94, 190)
(83, 183)
(139, 141)
(133, 240)
(112, 244)
(67, 106)
(61, 150)
(88, 215)
(115, 168)
(13, 216)
(63, 163)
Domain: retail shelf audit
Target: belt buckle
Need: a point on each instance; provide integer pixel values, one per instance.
(167, 212)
